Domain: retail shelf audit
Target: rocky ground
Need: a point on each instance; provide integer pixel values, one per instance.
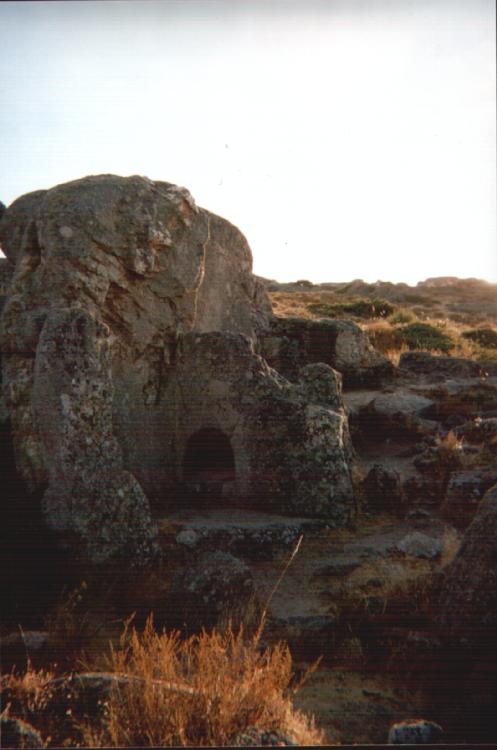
(358, 597)
(364, 599)
(425, 455)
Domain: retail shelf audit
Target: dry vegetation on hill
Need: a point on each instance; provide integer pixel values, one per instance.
(459, 319)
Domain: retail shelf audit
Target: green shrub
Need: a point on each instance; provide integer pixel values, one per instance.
(425, 336)
(418, 299)
(359, 308)
(486, 337)
(402, 316)
(304, 283)
(324, 309)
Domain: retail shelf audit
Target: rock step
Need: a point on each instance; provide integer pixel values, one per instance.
(245, 533)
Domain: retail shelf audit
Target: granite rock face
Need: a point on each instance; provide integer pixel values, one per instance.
(291, 446)
(290, 343)
(131, 376)
(468, 602)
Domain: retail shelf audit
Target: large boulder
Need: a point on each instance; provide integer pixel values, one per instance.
(383, 490)
(130, 374)
(396, 412)
(290, 343)
(109, 271)
(468, 600)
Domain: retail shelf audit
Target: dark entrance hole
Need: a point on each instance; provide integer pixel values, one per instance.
(208, 465)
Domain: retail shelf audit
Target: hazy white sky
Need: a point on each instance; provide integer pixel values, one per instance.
(345, 138)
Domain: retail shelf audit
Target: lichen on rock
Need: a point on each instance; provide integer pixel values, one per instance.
(133, 322)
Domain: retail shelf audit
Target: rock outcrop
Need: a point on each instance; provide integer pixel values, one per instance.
(290, 343)
(129, 341)
(468, 603)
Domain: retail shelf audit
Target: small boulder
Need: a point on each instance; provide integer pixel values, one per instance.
(382, 489)
(423, 489)
(398, 412)
(217, 590)
(415, 732)
(417, 544)
(256, 737)
(479, 431)
(464, 493)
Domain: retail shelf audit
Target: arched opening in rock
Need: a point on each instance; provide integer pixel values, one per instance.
(209, 466)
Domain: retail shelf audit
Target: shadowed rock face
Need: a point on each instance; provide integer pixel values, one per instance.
(128, 327)
(468, 601)
(290, 343)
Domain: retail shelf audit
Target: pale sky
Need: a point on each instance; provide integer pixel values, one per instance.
(345, 138)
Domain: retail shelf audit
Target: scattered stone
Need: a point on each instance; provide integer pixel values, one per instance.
(467, 398)
(418, 514)
(464, 493)
(454, 420)
(218, 589)
(479, 431)
(308, 636)
(188, 537)
(339, 566)
(399, 412)
(425, 641)
(248, 533)
(417, 544)
(424, 363)
(426, 489)
(255, 737)
(382, 490)
(415, 732)
(375, 545)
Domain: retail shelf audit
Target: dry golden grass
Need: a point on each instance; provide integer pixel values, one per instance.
(201, 691)
(451, 543)
(27, 690)
(384, 334)
(449, 448)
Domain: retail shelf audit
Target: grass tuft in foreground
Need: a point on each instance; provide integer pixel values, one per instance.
(201, 691)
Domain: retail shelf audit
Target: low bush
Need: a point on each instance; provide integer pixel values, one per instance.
(202, 691)
(418, 299)
(425, 337)
(402, 316)
(486, 337)
(359, 308)
(304, 283)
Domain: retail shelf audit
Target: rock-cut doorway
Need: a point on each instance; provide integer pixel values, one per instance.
(209, 471)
